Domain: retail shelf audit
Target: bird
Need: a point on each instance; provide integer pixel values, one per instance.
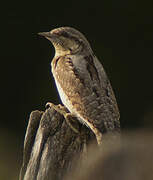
(82, 82)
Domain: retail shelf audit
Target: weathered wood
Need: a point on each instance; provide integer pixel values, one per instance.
(51, 145)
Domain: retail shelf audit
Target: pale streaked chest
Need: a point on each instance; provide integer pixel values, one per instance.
(60, 85)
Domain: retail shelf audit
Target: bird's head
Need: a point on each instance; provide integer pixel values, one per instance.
(67, 40)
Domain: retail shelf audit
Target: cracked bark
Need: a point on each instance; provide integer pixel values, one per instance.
(50, 146)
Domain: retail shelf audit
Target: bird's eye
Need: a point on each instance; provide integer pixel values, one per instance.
(70, 49)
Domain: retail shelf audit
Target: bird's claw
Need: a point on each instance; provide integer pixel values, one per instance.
(49, 105)
(62, 110)
(69, 119)
(59, 108)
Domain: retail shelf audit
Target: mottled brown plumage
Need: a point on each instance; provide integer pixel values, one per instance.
(81, 81)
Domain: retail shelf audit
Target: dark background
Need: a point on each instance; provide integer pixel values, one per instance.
(121, 35)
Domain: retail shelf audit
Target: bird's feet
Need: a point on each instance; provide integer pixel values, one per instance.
(59, 108)
(70, 120)
(69, 117)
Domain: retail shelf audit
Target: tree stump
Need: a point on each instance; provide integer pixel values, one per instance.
(51, 146)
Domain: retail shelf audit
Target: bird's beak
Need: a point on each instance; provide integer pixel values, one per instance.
(50, 36)
(45, 34)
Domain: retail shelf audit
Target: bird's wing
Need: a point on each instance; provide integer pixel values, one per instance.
(89, 91)
(110, 109)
